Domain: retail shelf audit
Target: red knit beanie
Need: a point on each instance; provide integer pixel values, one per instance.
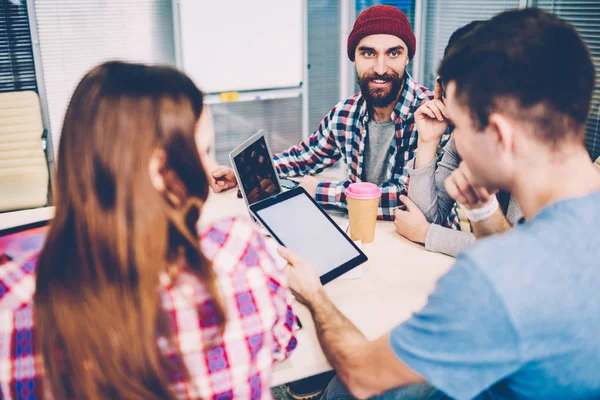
(381, 20)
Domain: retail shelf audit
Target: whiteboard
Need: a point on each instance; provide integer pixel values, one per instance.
(237, 45)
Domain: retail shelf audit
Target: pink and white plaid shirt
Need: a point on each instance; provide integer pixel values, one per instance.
(235, 365)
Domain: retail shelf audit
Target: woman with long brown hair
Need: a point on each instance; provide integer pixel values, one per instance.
(130, 301)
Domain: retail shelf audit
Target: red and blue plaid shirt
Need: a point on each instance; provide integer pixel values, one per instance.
(236, 365)
(341, 135)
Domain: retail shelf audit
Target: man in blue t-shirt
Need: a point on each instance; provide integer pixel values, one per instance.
(518, 314)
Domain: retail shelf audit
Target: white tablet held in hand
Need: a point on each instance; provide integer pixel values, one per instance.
(297, 222)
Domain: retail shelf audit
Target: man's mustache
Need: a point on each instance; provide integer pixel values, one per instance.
(384, 77)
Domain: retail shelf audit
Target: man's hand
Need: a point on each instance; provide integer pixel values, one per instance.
(348, 351)
(302, 278)
(459, 187)
(430, 118)
(222, 178)
(310, 183)
(411, 223)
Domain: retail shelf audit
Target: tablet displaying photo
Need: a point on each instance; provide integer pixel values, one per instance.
(254, 169)
(296, 221)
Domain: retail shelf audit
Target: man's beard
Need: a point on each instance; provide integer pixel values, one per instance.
(378, 97)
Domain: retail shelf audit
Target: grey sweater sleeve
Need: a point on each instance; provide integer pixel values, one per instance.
(426, 188)
(427, 191)
(440, 239)
(421, 188)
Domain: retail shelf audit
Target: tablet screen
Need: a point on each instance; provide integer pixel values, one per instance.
(303, 227)
(256, 172)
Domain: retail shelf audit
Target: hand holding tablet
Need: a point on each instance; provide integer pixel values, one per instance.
(297, 222)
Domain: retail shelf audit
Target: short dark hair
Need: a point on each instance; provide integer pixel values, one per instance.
(529, 62)
(461, 33)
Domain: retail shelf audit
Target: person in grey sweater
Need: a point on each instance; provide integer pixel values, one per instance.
(429, 203)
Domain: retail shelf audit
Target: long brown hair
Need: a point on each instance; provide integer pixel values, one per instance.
(97, 305)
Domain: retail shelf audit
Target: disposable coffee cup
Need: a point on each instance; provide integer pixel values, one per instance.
(363, 200)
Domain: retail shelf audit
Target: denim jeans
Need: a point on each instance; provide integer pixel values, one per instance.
(424, 391)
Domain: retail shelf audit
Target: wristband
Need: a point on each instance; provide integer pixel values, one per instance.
(483, 213)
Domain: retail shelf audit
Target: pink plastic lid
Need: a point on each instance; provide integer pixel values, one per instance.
(363, 191)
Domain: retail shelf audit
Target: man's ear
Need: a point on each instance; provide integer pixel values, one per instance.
(504, 131)
(156, 168)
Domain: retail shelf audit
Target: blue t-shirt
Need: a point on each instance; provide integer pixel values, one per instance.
(518, 315)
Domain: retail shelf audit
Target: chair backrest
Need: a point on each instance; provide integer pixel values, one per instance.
(23, 165)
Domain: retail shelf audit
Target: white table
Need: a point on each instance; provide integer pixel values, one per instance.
(395, 282)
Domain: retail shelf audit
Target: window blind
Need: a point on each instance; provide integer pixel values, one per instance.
(443, 17)
(17, 68)
(585, 16)
(76, 35)
(324, 36)
(235, 122)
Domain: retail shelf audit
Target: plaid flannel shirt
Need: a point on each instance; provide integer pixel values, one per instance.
(341, 135)
(235, 365)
